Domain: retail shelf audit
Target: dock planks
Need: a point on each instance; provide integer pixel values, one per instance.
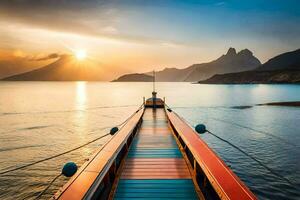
(154, 167)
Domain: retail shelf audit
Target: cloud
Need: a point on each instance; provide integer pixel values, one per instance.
(18, 54)
(110, 30)
(95, 18)
(47, 57)
(221, 3)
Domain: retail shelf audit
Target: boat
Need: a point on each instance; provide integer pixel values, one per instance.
(154, 155)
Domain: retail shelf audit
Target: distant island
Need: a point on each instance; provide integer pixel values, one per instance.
(284, 68)
(255, 77)
(284, 103)
(134, 78)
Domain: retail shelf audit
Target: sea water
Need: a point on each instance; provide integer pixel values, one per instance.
(41, 119)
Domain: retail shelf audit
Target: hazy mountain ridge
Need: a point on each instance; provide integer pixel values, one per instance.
(284, 68)
(230, 62)
(66, 68)
(11, 65)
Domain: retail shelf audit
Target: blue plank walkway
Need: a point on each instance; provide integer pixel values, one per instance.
(155, 168)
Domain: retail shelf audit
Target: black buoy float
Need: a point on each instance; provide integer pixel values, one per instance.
(69, 169)
(113, 130)
(200, 128)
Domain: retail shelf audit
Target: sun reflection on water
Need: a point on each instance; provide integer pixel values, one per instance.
(80, 95)
(80, 118)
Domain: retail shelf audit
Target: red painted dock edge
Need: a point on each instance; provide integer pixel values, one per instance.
(78, 186)
(223, 180)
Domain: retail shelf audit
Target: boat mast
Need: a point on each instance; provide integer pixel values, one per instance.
(153, 80)
(154, 93)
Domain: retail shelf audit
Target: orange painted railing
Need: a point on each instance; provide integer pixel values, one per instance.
(213, 176)
(94, 180)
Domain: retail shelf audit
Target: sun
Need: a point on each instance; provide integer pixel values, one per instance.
(80, 54)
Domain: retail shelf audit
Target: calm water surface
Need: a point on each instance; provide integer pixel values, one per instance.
(40, 119)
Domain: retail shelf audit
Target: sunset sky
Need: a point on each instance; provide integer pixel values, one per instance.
(138, 36)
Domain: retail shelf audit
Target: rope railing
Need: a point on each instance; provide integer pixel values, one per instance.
(52, 157)
(252, 157)
(2, 172)
(249, 128)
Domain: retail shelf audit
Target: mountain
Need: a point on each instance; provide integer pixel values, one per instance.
(134, 78)
(66, 68)
(230, 62)
(284, 68)
(285, 61)
(12, 65)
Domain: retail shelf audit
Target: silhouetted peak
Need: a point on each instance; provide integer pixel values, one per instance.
(231, 52)
(246, 52)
